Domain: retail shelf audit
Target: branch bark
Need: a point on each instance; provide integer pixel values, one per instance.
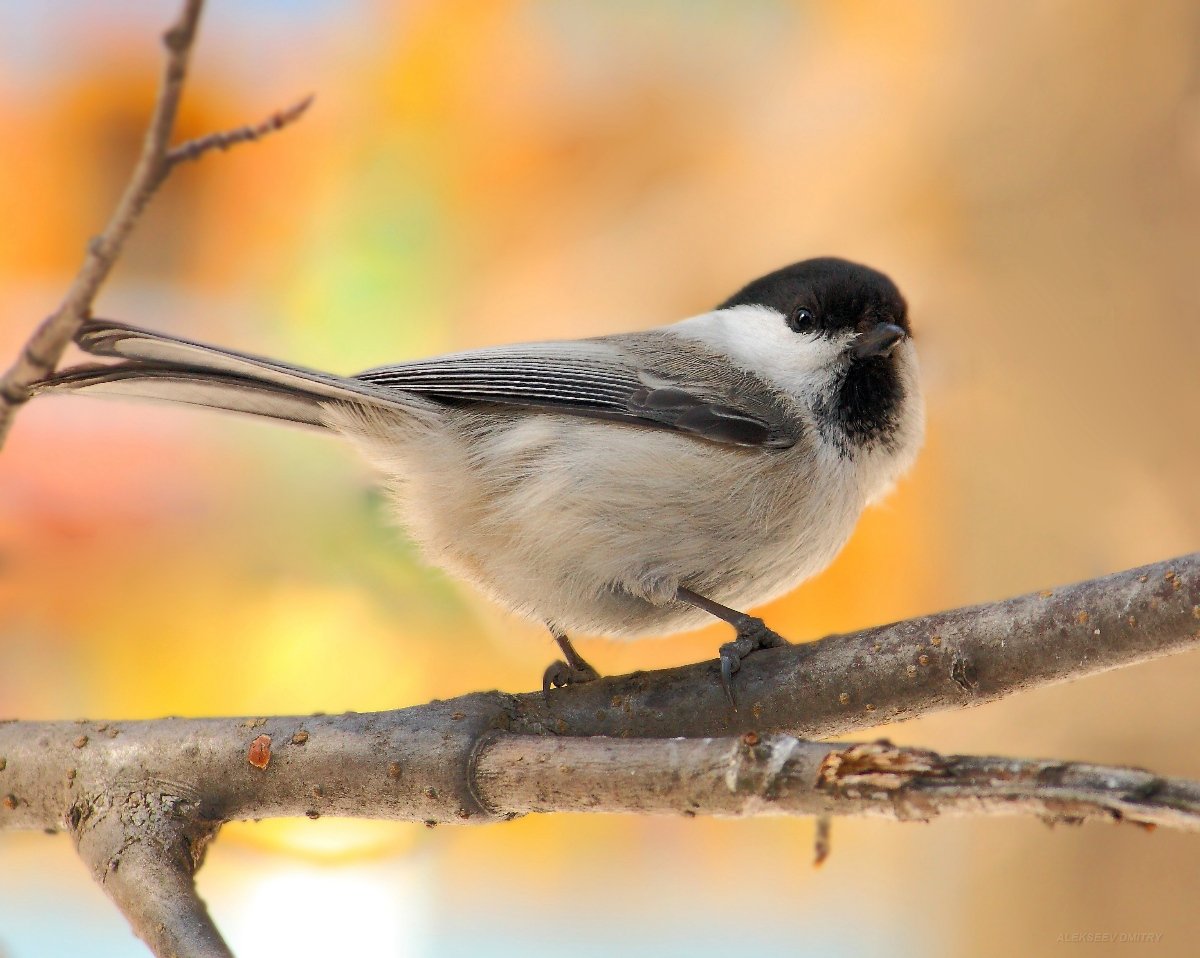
(784, 775)
(165, 786)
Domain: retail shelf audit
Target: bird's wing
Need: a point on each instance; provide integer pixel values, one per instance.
(651, 379)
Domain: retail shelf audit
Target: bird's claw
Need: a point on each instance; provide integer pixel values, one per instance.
(752, 635)
(559, 675)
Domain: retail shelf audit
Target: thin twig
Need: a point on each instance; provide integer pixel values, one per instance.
(821, 840)
(41, 354)
(194, 149)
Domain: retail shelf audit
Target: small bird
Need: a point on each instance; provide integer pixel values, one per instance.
(621, 485)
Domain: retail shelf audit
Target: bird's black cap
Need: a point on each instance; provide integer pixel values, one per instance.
(839, 295)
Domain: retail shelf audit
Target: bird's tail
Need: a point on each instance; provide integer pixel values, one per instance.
(160, 367)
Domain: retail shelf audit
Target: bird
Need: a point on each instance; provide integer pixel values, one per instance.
(623, 485)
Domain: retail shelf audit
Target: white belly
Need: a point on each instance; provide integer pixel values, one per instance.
(591, 526)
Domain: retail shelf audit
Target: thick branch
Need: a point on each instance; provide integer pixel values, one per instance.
(156, 893)
(166, 785)
(420, 762)
(151, 794)
(949, 660)
(142, 799)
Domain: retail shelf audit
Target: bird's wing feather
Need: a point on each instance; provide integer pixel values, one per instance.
(653, 379)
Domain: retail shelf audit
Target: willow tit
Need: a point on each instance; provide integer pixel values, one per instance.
(621, 485)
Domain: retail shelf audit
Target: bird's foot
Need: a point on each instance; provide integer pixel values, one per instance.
(560, 674)
(573, 671)
(752, 635)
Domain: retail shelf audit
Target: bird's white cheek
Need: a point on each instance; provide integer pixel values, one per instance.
(760, 341)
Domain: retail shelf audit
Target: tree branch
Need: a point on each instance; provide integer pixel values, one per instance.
(164, 786)
(41, 354)
(194, 149)
(151, 883)
(153, 793)
(949, 660)
(783, 775)
(144, 800)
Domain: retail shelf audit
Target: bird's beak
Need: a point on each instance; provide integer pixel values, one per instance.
(879, 340)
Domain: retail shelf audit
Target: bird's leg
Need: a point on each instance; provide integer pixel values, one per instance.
(752, 634)
(574, 671)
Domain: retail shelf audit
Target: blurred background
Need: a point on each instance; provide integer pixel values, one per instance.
(493, 170)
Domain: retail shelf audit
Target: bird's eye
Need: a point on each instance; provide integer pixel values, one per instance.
(802, 319)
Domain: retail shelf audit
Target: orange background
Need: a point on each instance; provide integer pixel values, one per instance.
(481, 172)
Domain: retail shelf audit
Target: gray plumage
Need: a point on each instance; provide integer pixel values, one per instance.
(581, 483)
